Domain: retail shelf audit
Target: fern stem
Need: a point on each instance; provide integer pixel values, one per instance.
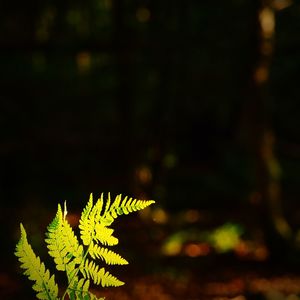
(47, 292)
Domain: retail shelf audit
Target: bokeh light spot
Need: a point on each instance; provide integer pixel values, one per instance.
(160, 216)
(83, 60)
(194, 250)
(143, 14)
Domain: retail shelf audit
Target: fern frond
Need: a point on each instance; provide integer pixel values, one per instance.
(92, 215)
(92, 229)
(89, 218)
(91, 211)
(44, 285)
(110, 257)
(72, 257)
(63, 244)
(99, 275)
(126, 206)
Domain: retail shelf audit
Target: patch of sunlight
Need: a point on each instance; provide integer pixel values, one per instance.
(173, 245)
(192, 216)
(267, 21)
(144, 174)
(261, 74)
(160, 216)
(197, 249)
(226, 237)
(172, 248)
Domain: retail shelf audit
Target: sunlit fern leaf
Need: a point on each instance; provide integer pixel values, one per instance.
(87, 229)
(54, 240)
(99, 275)
(100, 203)
(96, 210)
(63, 244)
(44, 285)
(86, 211)
(104, 235)
(75, 251)
(89, 218)
(91, 227)
(89, 296)
(80, 289)
(126, 206)
(110, 257)
(107, 205)
(94, 297)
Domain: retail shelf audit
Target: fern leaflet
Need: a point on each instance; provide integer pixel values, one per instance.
(99, 275)
(44, 285)
(110, 257)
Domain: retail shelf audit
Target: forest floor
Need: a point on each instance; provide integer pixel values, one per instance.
(219, 283)
(152, 275)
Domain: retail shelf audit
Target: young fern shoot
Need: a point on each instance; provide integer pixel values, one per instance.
(78, 260)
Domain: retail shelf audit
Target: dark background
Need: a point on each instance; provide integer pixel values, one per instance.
(154, 99)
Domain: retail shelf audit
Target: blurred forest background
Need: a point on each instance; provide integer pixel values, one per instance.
(192, 103)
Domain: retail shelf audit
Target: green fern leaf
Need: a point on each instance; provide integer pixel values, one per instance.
(107, 206)
(87, 228)
(110, 257)
(99, 275)
(96, 211)
(44, 285)
(120, 207)
(86, 211)
(63, 244)
(104, 235)
(92, 228)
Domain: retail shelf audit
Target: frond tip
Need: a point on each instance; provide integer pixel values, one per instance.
(105, 212)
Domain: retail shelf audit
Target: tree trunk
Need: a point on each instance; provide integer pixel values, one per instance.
(257, 122)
